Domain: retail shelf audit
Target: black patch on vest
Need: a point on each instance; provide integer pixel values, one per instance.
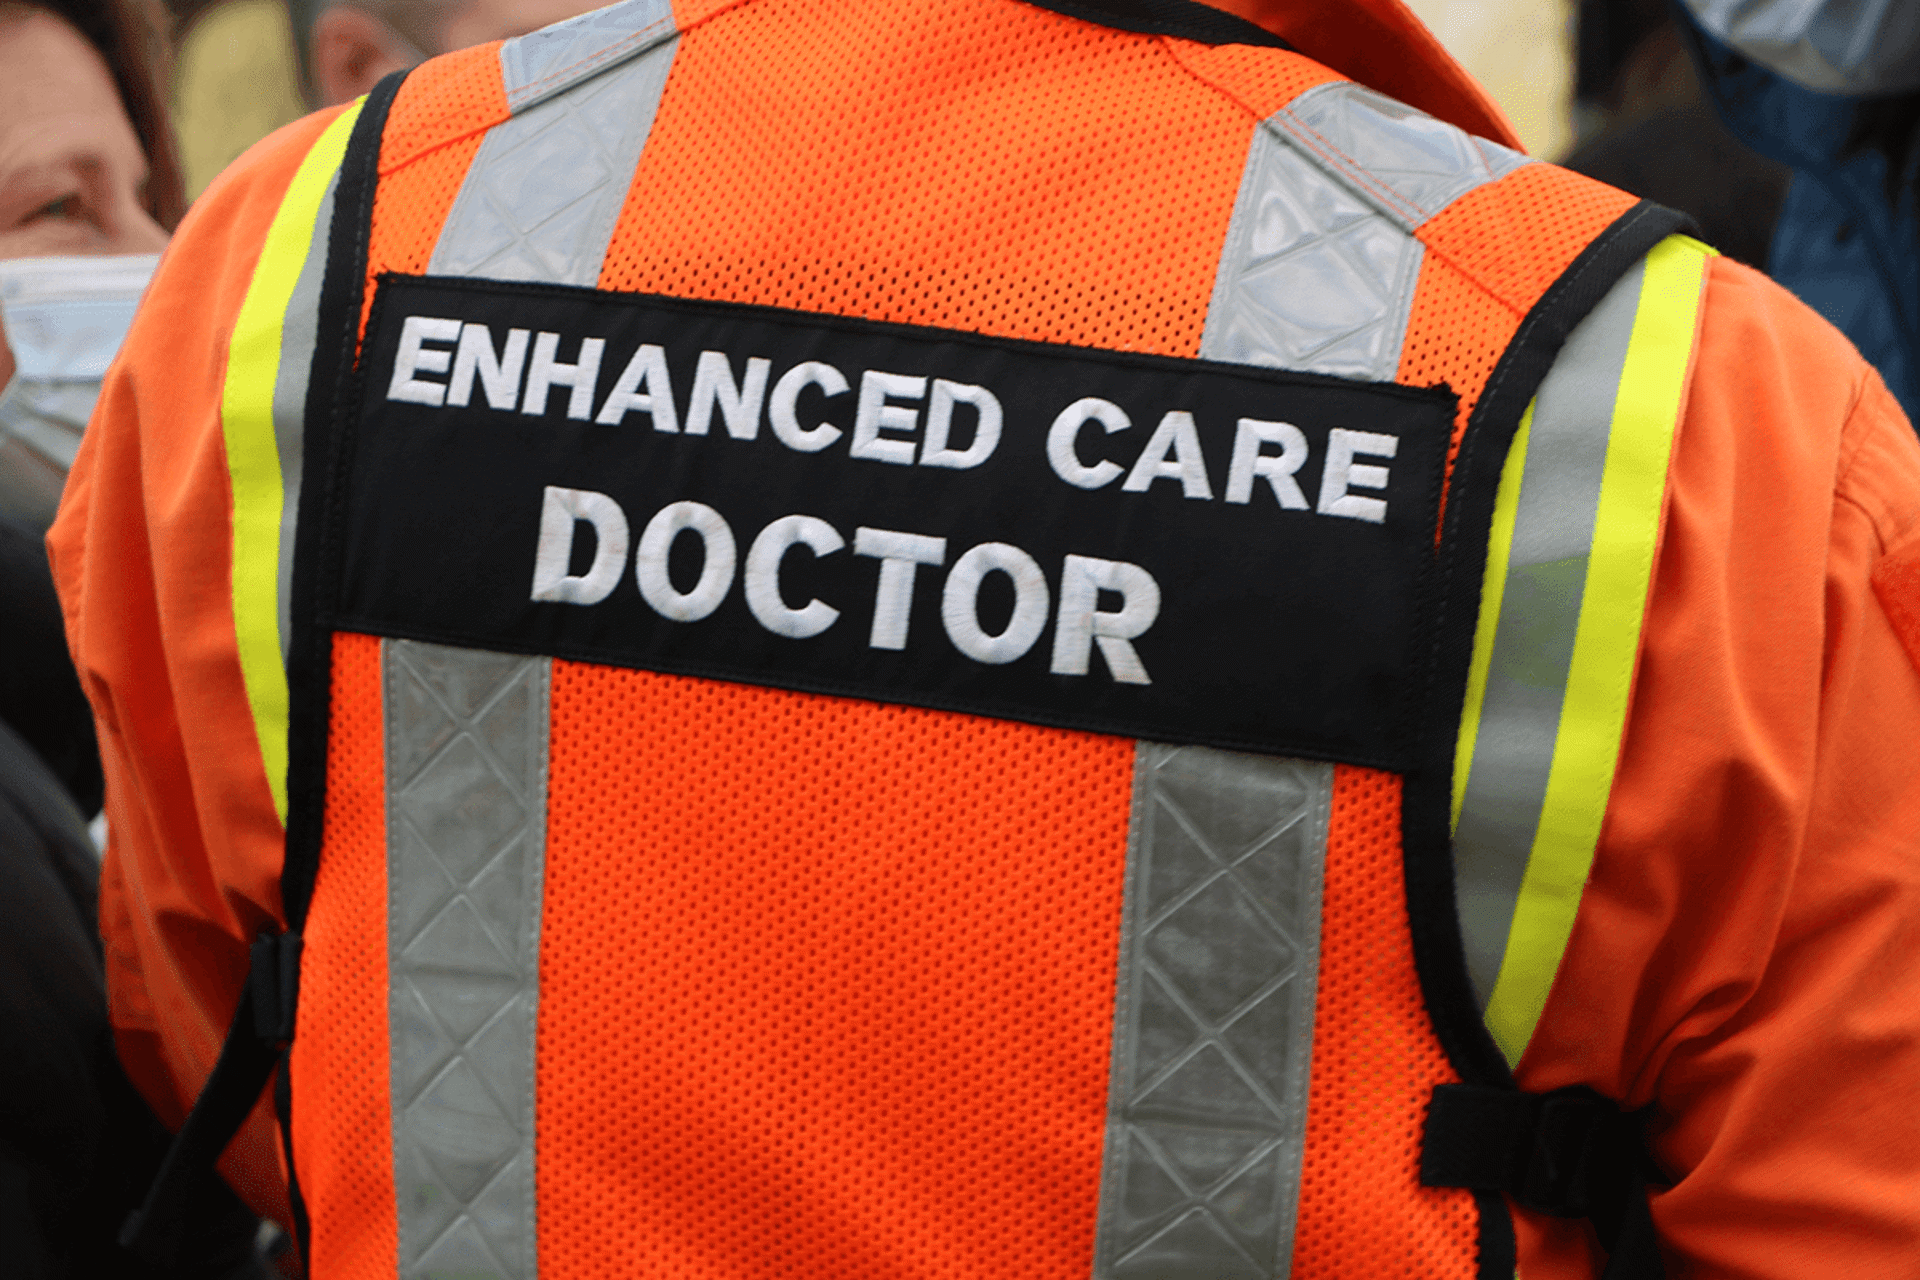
(1288, 631)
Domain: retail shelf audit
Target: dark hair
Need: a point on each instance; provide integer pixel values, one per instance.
(131, 37)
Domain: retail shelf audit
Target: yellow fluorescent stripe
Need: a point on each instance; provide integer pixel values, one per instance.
(1506, 506)
(253, 457)
(1612, 607)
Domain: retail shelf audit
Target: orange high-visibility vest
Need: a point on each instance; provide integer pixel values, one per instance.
(931, 641)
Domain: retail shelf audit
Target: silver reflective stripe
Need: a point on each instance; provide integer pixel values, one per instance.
(545, 189)
(1220, 941)
(1402, 161)
(1213, 1018)
(534, 67)
(1539, 617)
(298, 334)
(466, 766)
(1311, 277)
(1319, 266)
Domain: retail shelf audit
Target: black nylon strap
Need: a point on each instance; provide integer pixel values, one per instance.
(256, 1041)
(335, 351)
(1571, 1153)
(1183, 19)
(263, 1021)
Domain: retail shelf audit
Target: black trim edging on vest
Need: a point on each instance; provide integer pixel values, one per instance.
(330, 395)
(1183, 19)
(316, 543)
(1426, 804)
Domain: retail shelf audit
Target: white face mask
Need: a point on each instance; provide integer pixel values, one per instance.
(65, 319)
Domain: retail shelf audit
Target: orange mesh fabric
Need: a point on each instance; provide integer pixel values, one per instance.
(826, 986)
(1448, 331)
(342, 1138)
(1376, 1059)
(442, 102)
(1101, 228)
(439, 117)
(1517, 236)
(1253, 77)
(1491, 254)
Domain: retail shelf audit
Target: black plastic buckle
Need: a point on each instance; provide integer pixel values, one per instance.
(1581, 1142)
(1567, 1153)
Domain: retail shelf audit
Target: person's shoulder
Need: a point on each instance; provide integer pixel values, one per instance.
(275, 156)
(258, 179)
(1789, 372)
(205, 270)
(1779, 392)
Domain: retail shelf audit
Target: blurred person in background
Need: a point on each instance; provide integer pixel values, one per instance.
(353, 46)
(236, 78)
(89, 189)
(88, 185)
(246, 67)
(1644, 125)
(1833, 91)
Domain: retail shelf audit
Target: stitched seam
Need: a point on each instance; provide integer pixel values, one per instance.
(1167, 47)
(1471, 276)
(542, 674)
(572, 70)
(1267, 121)
(1348, 167)
(440, 145)
(1360, 177)
(1844, 469)
(831, 687)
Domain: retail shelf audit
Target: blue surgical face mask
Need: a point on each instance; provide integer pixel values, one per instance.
(65, 319)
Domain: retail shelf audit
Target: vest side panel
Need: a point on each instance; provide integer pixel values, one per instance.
(1376, 1059)
(261, 404)
(342, 1136)
(861, 1025)
(1654, 345)
(1563, 451)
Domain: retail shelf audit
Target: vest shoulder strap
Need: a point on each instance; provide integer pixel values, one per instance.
(1576, 524)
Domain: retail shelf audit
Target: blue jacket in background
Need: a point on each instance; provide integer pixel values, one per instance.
(1841, 244)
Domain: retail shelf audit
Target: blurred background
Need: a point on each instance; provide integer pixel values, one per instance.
(1607, 87)
(1602, 84)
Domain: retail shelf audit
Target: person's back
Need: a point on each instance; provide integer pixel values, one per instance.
(934, 753)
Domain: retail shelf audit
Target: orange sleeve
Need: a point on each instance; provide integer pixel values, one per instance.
(143, 538)
(1747, 955)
